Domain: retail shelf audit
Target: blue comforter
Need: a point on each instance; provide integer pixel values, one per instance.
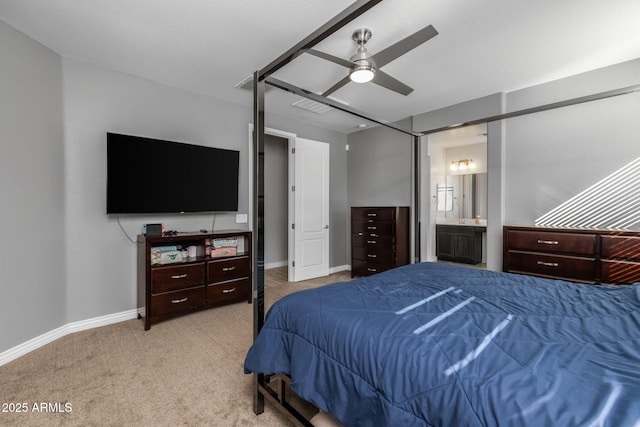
(439, 345)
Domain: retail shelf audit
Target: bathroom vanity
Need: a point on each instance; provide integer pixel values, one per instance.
(460, 242)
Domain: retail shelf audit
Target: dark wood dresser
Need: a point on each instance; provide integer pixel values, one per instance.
(578, 255)
(379, 239)
(168, 289)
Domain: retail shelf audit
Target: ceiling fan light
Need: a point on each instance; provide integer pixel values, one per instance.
(362, 73)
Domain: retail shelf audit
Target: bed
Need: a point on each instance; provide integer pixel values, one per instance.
(433, 344)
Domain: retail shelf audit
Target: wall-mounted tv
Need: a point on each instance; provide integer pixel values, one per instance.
(146, 175)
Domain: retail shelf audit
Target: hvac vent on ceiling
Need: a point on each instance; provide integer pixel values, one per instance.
(316, 107)
(313, 106)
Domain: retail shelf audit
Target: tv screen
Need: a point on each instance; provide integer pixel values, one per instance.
(147, 175)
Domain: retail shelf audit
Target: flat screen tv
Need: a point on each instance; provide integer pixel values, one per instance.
(147, 175)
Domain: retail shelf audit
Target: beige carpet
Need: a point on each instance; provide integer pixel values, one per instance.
(184, 371)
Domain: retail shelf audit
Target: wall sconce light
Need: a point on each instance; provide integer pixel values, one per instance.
(462, 165)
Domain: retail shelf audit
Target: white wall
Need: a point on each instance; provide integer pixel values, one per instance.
(32, 253)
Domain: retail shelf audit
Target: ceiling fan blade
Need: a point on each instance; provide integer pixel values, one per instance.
(385, 80)
(329, 57)
(336, 86)
(403, 46)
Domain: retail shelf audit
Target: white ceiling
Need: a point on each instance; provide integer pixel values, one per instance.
(208, 46)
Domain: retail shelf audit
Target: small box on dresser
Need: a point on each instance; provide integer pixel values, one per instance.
(192, 283)
(379, 239)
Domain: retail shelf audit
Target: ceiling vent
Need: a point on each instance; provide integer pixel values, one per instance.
(316, 107)
(313, 106)
(247, 84)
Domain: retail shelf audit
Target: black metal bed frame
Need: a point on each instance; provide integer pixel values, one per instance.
(275, 387)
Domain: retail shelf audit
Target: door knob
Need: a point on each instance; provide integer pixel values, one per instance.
(326, 226)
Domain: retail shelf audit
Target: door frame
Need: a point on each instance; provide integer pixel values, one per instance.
(291, 138)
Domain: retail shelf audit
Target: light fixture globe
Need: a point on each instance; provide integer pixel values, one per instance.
(362, 73)
(363, 68)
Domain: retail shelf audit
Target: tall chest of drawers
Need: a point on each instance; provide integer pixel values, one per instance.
(579, 255)
(379, 239)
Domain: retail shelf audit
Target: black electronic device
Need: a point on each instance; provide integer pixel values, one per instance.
(152, 230)
(146, 175)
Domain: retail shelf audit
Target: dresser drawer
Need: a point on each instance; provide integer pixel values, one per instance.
(172, 302)
(379, 228)
(621, 247)
(556, 266)
(373, 256)
(177, 277)
(375, 242)
(229, 291)
(546, 241)
(227, 269)
(377, 214)
(618, 272)
(365, 268)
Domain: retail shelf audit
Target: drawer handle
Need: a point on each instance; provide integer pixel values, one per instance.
(179, 276)
(372, 228)
(373, 270)
(371, 241)
(360, 234)
(372, 214)
(228, 268)
(228, 291)
(374, 235)
(372, 256)
(548, 264)
(178, 301)
(548, 242)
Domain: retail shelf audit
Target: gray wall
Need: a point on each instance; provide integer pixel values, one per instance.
(32, 253)
(55, 115)
(99, 100)
(379, 169)
(554, 155)
(276, 205)
(338, 207)
(101, 267)
(379, 165)
(540, 160)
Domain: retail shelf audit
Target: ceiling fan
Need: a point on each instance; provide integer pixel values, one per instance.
(365, 67)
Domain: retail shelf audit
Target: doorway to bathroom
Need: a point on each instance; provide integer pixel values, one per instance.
(457, 194)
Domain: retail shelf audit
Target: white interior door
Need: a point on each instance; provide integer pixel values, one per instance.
(310, 216)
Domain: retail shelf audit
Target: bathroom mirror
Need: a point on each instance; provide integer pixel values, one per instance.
(463, 196)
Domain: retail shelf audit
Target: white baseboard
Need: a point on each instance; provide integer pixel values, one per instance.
(339, 268)
(332, 270)
(37, 342)
(276, 264)
(82, 325)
